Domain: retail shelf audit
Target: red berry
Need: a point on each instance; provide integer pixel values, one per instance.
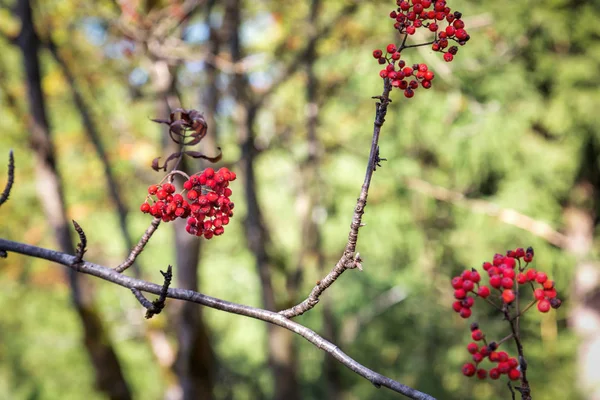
(541, 277)
(481, 373)
(465, 312)
(192, 195)
(477, 357)
(391, 48)
(472, 348)
(468, 285)
(152, 189)
(433, 27)
(508, 296)
(494, 373)
(468, 369)
(477, 335)
(531, 274)
(543, 306)
(539, 294)
(549, 284)
(408, 93)
(514, 374)
(507, 283)
(457, 306)
(448, 57)
(496, 281)
(145, 208)
(460, 294)
(468, 302)
(550, 293)
(521, 278)
(483, 291)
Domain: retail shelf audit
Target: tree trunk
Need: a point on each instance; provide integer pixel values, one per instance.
(109, 377)
(195, 361)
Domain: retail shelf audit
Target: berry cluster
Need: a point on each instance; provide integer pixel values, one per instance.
(504, 272)
(408, 17)
(504, 364)
(207, 208)
(400, 73)
(211, 207)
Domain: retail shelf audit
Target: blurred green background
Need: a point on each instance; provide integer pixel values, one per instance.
(502, 152)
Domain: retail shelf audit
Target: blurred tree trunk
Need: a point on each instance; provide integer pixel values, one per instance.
(93, 133)
(282, 352)
(580, 215)
(109, 377)
(310, 199)
(195, 361)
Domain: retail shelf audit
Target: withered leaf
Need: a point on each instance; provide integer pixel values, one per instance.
(197, 154)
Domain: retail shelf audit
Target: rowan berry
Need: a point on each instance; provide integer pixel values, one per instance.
(543, 305)
(465, 312)
(481, 373)
(514, 374)
(508, 296)
(477, 335)
(483, 291)
(494, 373)
(468, 369)
(472, 348)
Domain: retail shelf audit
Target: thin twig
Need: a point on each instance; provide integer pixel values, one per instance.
(506, 215)
(524, 389)
(140, 246)
(349, 259)
(80, 250)
(156, 306)
(11, 178)
(115, 277)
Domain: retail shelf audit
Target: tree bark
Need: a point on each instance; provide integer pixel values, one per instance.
(195, 360)
(282, 356)
(109, 377)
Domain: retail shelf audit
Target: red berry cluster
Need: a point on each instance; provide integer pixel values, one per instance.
(504, 364)
(208, 207)
(169, 205)
(503, 272)
(408, 17)
(400, 74)
(211, 207)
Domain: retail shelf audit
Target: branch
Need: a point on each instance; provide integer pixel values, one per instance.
(140, 246)
(11, 178)
(156, 306)
(349, 259)
(506, 215)
(111, 275)
(80, 251)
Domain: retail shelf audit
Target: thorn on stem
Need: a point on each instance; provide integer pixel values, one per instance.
(378, 160)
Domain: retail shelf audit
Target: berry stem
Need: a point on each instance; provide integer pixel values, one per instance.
(348, 259)
(417, 45)
(525, 390)
(139, 247)
(524, 310)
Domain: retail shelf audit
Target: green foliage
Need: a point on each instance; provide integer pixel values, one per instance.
(507, 122)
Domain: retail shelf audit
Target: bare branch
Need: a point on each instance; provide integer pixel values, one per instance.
(506, 215)
(140, 246)
(80, 251)
(115, 277)
(156, 306)
(11, 178)
(349, 259)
